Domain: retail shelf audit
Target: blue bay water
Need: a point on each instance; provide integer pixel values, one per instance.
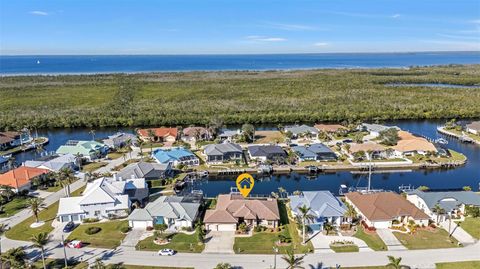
(22, 65)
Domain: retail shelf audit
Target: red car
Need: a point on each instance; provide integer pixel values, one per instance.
(75, 244)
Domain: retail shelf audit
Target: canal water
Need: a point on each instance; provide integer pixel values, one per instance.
(468, 175)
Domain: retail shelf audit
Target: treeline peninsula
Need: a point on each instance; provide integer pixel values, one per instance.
(155, 99)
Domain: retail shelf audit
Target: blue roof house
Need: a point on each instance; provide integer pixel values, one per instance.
(314, 152)
(323, 206)
(175, 156)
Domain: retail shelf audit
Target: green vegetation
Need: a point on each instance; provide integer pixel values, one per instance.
(459, 265)
(110, 235)
(371, 239)
(59, 263)
(180, 242)
(115, 155)
(237, 97)
(263, 242)
(15, 205)
(93, 166)
(471, 226)
(349, 248)
(22, 231)
(425, 239)
(127, 266)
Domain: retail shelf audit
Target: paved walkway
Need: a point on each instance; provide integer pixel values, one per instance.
(132, 238)
(390, 240)
(321, 242)
(219, 242)
(460, 234)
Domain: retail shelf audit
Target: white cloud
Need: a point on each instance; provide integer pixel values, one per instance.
(291, 27)
(475, 21)
(265, 38)
(395, 16)
(39, 13)
(321, 44)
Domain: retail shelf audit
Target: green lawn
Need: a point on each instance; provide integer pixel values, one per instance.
(114, 155)
(93, 166)
(22, 231)
(471, 226)
(424, 239)
(371, 238)
(180, 242)
(109, 237)
(59, 263)
(263, 242)
(351, 248)
(11, 208)
(459, 265)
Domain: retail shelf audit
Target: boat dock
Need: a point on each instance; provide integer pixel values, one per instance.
(463, 138)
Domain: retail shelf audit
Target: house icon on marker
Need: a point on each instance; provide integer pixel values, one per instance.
(245, 183)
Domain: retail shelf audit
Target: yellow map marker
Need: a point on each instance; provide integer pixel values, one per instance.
(245, 184)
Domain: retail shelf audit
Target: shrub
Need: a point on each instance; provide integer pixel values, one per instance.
(125, 229)
(149, 228)
(92, 230)
(90, 220)
(160, 227)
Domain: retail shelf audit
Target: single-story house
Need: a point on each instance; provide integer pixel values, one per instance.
(4, 165)
(158, 134)
(330, 128)
(55, 163)
(301, 130)
(175, 211)
(383, 210)
(88, 150)
(12, 139)
(233, 209)
(314, 152)
(226, 152)
(119, 140)
(325, 208)
(175, 156)
(266, 152)
(449, 202)
(378, 151)
(195, 134)
(21, 177)
(103, 198)
(375, 129)
(473, 127)
(410, 144)
(228, 135)
(149, 171)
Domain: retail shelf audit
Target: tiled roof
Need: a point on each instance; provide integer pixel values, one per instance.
(409, 142)
(174, 207)
(300, 129)
(367, 146)
(192, 131)
(266, 151)
(329, 128)
(384, 206)
(159, 132)
(232, 206)
(20, 176)
(221, 149)
(474, 125)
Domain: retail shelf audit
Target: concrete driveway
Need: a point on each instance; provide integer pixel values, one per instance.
(390, 239)
(219, 242)
(321, 243)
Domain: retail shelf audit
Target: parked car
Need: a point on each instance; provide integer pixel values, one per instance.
(75, 244)
(166, 252)
(69, 227)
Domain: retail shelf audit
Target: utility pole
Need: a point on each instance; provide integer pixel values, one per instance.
(64, 252)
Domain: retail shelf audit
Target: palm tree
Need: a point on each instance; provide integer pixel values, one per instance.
(305, 216)
(350, 213)
(99, 264)
(66, 177)
(293, 261)
(39, 241)
(92, 132)
(78, 158)
(281, 191)
(438, 211)
(35, 205)
(395, 262)
(16, 257)
(328, 227)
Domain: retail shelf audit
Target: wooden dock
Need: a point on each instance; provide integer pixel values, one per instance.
(462, 138)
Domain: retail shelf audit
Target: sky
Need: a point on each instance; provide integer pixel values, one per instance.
(37, 27)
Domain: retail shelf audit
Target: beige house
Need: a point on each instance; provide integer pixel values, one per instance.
(383, 210)
(473, 127)
(233, 209)
(410, 144)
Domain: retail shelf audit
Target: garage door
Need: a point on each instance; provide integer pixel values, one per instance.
(139, 224)
(224, 227)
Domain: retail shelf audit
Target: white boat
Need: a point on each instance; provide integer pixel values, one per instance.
(38, 61)
(442, 141)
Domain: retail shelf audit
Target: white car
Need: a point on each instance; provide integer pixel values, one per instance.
(166, 252)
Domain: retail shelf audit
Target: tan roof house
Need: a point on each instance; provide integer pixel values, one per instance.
(385, 209)
(158, 134)
(473, 127)
(410, 144)
(233, 209)
(330, 128)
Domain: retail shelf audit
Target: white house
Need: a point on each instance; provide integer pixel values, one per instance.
(102, 199)
(56, 163)
(176, 212)
(439, 205)
(473, 127)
